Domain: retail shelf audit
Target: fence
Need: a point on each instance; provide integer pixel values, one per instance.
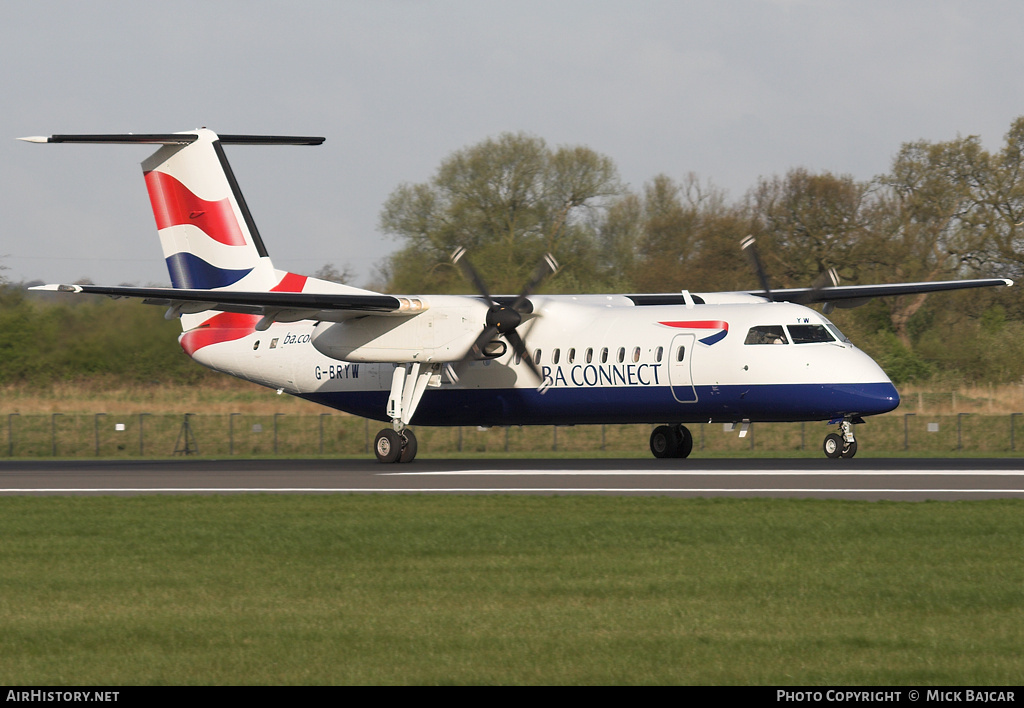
(212, 435)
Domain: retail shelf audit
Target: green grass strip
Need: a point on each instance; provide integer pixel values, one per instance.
(382, 589)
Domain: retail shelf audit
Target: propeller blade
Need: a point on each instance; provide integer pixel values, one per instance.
(459, 258)
(477, 350)
(747, 245)
(547, 266)
(519, 347)
(826, 279)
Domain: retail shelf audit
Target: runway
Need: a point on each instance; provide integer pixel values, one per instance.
(864, 479)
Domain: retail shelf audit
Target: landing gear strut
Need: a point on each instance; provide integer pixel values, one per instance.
(671, 441)
(842, 444)
(398, 443)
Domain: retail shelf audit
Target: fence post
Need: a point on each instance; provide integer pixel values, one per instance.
(959, 441)
(191, 444)
(554, 438)
(906, 430)
(10, 433)
(96, 429)
(53, 432)
(1013, 447)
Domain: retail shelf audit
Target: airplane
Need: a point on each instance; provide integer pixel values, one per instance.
(665, 359)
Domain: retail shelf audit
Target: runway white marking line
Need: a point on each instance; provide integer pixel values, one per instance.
(703, 473)
(701, 490)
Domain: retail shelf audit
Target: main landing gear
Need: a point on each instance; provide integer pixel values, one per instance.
(393, 446)
(398, 443)
(671, 441)
(842, 444)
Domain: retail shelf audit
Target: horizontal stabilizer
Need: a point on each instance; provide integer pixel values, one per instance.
(174, 139)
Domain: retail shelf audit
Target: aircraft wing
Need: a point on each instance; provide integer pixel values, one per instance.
(835, 296)
(854, 295)
(272, 306)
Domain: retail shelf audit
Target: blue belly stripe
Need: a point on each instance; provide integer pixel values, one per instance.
(627, 404)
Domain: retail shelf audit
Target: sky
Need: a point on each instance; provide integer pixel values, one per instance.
(731, 91)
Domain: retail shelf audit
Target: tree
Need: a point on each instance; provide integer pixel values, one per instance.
(676, 236)
(332, 274)
(930, 225)
(508, 200)
(808, 223)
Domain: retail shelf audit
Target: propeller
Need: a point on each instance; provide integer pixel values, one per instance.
(747, 245)
(503, 319)
(828, 278)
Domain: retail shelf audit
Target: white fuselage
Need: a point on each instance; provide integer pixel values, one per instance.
(604, 359)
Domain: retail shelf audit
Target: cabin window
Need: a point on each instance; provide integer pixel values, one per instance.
(680, 353)
(554, 356)
(571, 356)
(604, 355)
(621, 355)
(659, 353)
(766, 334)
(536, 356)
(809, 334)
(590, 355)
(636, 354)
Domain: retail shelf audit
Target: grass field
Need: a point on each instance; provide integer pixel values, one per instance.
(509, 590)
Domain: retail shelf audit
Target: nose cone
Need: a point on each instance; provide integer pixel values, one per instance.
(869, 398)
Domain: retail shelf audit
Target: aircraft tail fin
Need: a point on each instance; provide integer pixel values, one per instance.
(209, 238)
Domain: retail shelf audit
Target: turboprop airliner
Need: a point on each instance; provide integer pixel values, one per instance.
(446, 360)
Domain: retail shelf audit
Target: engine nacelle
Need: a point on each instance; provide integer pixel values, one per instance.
(443, 333)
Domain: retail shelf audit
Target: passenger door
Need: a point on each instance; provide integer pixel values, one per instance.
(679, 373)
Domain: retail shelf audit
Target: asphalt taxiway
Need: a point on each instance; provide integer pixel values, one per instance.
(865, 479)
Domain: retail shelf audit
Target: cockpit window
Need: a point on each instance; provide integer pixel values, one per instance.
(808, 334)
(766, 334)
(839, 335)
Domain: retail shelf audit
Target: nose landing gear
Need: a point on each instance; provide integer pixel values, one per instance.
(841, 445)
